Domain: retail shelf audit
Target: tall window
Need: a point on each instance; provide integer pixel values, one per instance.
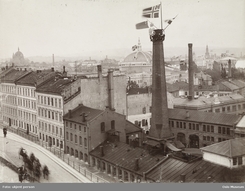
(234, 161)
(80, 140)
(71, 138)
(113, 124)
(75, 138)
(219, 129)
(67, 136)
(85, 142)
(102, 127)
(212, 128)
(204, 127)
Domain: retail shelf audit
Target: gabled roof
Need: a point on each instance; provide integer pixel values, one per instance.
(124, 156)
(32, 78)
(76, 114)
(54, 86)
(230, 148)
(204, 117)
(239, 83)
(13, 75)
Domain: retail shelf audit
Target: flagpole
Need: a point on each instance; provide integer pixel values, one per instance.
(161, 14)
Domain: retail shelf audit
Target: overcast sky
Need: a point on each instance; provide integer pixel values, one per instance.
(75, 27)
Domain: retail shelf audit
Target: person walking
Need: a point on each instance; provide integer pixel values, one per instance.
(5, 131)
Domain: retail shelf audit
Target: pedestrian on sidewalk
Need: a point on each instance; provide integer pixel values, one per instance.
(5, 131)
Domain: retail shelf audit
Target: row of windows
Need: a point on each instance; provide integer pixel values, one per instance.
(50, 114)
(26, 92)
(75, 139)
(237, 161)
(26, 103)
(142, 123)
(224, 130)
(72, 153)
(8, 89)
(74, 125)
(195, 126)
(208, 138)
(9, 99)
(10, 122)
(31, 128)
(9, 110)
(230, 108)
(27, 116)
(49, 128)
(53, 141)
(55, 102)
(102, 126)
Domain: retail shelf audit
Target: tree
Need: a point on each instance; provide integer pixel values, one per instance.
(32, 157)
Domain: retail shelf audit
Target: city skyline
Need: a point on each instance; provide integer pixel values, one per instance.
(82, 28)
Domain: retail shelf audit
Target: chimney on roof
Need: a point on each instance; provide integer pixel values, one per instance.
(70, 113)
(190, 69)
(136, 167)
(101, 151)
(187, 114)
(99, 67)
(111, 89)
(182, 177)
(229, 68)
(64, 69)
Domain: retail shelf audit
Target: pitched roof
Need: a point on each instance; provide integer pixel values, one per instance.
(13, 75)
(230, 85)
(204, 117)
(131, 128)
(32, 78)
(124, 156)
(230, 148)
(199, 171)
(53, 86)
(76, 114)
(239, 83)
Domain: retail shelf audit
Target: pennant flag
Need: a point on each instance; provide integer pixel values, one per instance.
(169, 21)
(134, 47)
(151, 12)
(142, 25)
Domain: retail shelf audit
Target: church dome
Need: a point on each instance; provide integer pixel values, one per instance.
(18, 55)
(139, 56)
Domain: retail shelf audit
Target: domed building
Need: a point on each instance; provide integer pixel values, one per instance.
(18, 58)
(137, 62)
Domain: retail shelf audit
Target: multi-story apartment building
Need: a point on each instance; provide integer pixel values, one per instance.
(53, 98)
(9, 99)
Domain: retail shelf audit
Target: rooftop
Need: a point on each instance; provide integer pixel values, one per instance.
(204, 101)
(230, 148)
(130, 127)
(124, 156)
(55, 86)
(241, 123)
(199, 171)
(13, 75)
(204, 117)
(76, 114)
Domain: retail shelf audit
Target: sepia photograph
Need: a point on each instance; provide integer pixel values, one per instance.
(122, 91)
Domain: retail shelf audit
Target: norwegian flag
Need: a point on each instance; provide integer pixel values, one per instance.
(151, 12)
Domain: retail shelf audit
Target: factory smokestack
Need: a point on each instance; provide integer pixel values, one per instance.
(111, 89)
(229, 67)
(99, 68)
(53, 59)
(160, 121)
(190, 71)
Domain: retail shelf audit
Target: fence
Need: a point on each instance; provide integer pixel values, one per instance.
(71, 161)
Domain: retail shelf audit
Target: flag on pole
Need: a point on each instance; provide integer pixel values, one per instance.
(151, 12)
(169, 21)
(134, 47)
(142, 25)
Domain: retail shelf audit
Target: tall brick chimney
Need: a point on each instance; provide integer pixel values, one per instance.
(53, 59)
(160, 121)
(229, 68)
(111, 89)
(190, 72)
(99, 68)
